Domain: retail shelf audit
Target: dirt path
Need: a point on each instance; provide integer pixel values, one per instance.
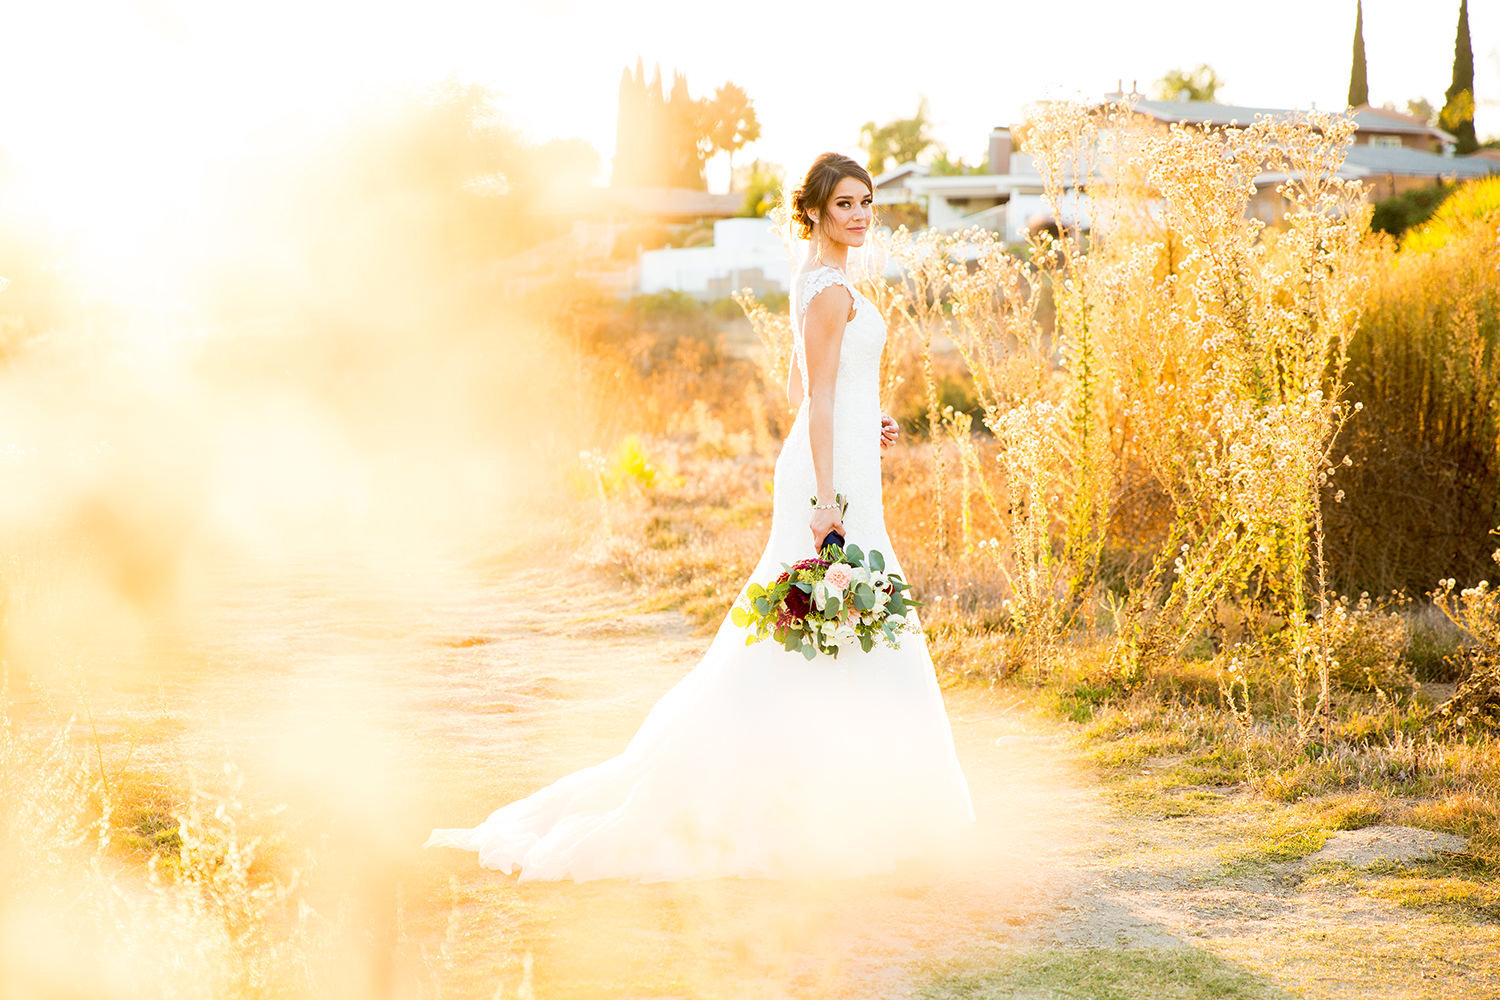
(377, 708)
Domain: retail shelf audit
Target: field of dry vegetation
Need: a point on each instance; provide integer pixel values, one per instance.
(1211, 502)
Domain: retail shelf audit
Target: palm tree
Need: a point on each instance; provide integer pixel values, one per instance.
(731, 122)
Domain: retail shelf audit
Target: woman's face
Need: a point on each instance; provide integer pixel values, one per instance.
(847, 216)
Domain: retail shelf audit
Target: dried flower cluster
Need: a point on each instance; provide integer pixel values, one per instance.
(1178, 348)
(1475, 610)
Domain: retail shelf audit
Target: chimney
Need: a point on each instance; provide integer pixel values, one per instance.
(999, 150)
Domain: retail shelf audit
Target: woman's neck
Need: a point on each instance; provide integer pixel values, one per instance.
(834, 255)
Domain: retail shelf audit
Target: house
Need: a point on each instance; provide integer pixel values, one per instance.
(1005, 200)
(746, 253)
(1391, 170)
(1378, 127)
(1391, 153)
(671, 204)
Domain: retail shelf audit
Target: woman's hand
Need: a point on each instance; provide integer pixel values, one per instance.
(824, 521)
(889, 431)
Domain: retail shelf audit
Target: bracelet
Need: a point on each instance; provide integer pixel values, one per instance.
(839, 503)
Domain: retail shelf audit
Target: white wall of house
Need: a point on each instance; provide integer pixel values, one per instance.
(744, 252)
(952, 202)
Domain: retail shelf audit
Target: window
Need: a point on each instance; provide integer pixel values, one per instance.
(1386, 141)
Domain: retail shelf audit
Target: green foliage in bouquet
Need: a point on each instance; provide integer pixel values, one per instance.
(840, 600)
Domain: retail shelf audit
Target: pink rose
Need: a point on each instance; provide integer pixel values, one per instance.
(838, 576)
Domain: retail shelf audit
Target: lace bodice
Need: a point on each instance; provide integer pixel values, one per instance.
(856, 433)
(864, 335)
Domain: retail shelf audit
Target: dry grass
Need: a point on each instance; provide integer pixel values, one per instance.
(1070, 428)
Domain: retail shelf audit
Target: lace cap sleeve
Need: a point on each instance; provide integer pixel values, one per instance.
(809, 285)
(816, 281)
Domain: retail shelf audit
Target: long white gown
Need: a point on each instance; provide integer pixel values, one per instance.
(760, 762)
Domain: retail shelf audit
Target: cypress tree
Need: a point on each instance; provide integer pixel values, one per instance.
(1457, 115)
(684, 131)
(628, 130)
(1359, 88)
(655, 157)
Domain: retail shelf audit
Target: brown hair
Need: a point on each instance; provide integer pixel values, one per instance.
(817, 187)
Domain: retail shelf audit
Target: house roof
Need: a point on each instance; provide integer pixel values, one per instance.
(1366, 118)
(675, 202)
(1206, 112)
(1389, 120)
(1416, 163)
(899, 171)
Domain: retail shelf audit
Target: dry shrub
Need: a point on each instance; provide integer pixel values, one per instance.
(1171, 417)
(1475, 705)
(1469, 211)
(1366, 644)
(1424, 489)
(201, 917)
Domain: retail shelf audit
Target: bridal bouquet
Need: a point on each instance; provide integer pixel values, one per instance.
(822, 605)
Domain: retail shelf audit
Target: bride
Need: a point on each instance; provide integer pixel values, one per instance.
(759, 762)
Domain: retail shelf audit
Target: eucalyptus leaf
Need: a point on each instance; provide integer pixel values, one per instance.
(877, 561)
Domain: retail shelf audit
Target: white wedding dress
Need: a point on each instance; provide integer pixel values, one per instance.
(760, 762)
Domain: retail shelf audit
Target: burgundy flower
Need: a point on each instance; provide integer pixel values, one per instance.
(796, 603)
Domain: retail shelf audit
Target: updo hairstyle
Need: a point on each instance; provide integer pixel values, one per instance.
(817, 188)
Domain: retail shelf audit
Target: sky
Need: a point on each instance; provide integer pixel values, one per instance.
(116, 106)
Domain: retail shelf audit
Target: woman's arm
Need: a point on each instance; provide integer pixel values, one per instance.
(823, 335)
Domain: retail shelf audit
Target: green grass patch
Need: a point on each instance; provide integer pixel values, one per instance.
(1463, 887)
(1193, 802)
(1099, 974)
(1455, 898)
(1078, 702)
(1275, 836)
(1352, 812)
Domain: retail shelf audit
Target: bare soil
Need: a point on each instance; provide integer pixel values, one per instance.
(376, 707)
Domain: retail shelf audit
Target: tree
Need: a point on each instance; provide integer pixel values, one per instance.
(731, 122)
(762, 183)
(897, 142)
(687, 144)
(663, 140)
(639, 128)
(1457, 115)
(1202, 84)
(1421, 107)
(1359, 87)
(561, 168)
(942, 165)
